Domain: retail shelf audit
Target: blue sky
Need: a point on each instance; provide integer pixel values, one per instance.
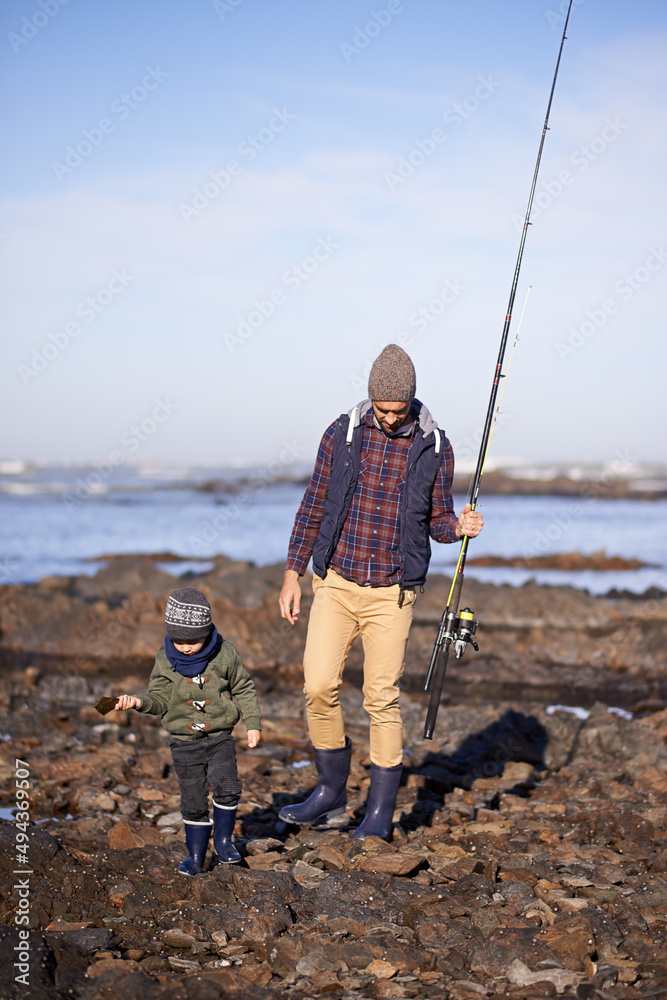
(215, 215)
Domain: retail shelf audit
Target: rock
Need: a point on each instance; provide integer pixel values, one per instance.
(262, 845)
(118, 967)
(249, 763)
(571, 937)
(176, 938)
(388, 988)
(170, 819)
(69, 925)
(572, 561)
(58, 965)
(305, 874)
(264, 862)
(324, 982)
(224, 982)
(150, 794)
(519, 973)
(466, 989)
(391, 864)
(330, 858)
(91, 938)
(126, 834)
(43, 847)
(653, 894)
(381, 969)
(260, 928)
(135, 954)
(105, 802)
(504, 946)
(183, 964)
(313, 962)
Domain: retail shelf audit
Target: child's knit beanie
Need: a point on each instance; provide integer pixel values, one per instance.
(188, 615)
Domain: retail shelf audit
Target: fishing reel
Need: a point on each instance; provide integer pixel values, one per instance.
(459, 630)
(462, 630)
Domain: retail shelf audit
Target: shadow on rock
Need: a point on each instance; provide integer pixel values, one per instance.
(514, 737)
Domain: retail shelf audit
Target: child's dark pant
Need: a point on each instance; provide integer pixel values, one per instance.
(201, 763)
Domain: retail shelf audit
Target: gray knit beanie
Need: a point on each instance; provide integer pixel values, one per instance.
(392, 378)
(188, 615)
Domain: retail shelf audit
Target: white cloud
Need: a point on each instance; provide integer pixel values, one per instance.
(451, 218)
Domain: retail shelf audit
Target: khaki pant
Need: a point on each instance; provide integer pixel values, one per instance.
(341, 611)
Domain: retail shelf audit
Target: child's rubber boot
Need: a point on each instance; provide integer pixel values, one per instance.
(197, 836)
(224, 818)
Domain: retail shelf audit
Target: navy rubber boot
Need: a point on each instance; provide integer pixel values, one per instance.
(381, 802)
(329, 797)
(223, 828)
(196, 840)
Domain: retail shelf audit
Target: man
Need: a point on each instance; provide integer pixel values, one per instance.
(381, 486)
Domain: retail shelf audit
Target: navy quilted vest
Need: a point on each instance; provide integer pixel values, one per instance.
(415, 510)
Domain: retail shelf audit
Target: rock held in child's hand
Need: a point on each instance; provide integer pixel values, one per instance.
(106, 705)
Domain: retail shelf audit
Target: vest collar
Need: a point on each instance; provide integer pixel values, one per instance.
(424, 420)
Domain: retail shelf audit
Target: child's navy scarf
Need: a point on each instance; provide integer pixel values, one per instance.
(190, 666)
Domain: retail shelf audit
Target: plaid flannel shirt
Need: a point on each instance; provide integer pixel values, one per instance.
(368, 551)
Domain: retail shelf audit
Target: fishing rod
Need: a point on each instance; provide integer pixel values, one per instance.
(459, 627)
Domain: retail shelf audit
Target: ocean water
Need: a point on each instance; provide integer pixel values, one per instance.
(63, 521)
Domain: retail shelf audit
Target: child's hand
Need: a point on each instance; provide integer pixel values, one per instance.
(254, 736)
(127, 701)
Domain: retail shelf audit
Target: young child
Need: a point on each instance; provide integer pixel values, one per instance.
(195, 677)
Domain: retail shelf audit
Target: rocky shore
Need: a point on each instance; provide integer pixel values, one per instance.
(569, 561)
(609, 485)
(529, 857)
(497, 482)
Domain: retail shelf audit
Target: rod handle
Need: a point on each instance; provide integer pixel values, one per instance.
(436, 692)
(437, 645)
